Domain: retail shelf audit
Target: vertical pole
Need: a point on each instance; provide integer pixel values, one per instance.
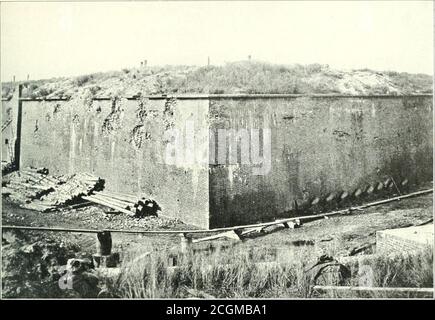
(104, 258)
(185, 243)
(208, 61)
(17, 150)
(104, 243)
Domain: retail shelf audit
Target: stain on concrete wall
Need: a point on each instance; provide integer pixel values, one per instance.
(9, 117)
(8, 134)
(122, 141)
(322, 149)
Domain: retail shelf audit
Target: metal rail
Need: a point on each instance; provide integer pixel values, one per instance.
(198, 231)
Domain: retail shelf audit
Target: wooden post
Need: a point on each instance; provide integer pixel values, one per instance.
(104, 256)
(17, 146)
(185, 242)
(104, 243)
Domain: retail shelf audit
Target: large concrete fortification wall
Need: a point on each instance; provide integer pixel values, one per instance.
(321, 148)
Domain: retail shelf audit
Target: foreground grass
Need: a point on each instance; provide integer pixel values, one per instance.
(401, 271)
(229, 273)
(31, 269)
(242, 273)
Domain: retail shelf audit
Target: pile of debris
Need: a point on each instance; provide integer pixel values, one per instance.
(7, 167)
(34, 189)
(27, 185)
(131, 205)
(37, 190)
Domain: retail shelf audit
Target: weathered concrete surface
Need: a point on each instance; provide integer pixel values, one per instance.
(405, 240)
(9, 112)
(320, 148)
(123, 142)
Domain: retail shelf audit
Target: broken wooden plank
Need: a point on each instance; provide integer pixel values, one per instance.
(78, 205)
(289, 224)
(122, 204)
(106, 196)
(107, 204)
(251, 230)
(119, 196)
(228, 234)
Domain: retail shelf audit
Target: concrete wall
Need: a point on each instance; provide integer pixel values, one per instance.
(320, 147)
(123, 142)
(9, 111)
(405, 240)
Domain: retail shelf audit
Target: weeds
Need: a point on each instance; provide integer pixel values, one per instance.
(242, 273)
(232, 274)
(231, 78)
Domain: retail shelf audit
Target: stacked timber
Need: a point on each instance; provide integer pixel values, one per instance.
(34, 189)
(76, 186)
(129, 204)
(29, 184)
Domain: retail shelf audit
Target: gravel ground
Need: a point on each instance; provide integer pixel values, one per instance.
(93, 217)
(337, 235)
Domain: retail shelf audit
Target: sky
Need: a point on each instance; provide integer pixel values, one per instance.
(45, 40)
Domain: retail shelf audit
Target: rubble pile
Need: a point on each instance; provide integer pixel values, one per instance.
(7, 167)
(34, 189)
(33, 262)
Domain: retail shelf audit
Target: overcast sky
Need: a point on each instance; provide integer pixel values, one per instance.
(61, 39)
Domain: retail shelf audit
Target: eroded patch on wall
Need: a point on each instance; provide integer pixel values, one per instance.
(112, 123)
